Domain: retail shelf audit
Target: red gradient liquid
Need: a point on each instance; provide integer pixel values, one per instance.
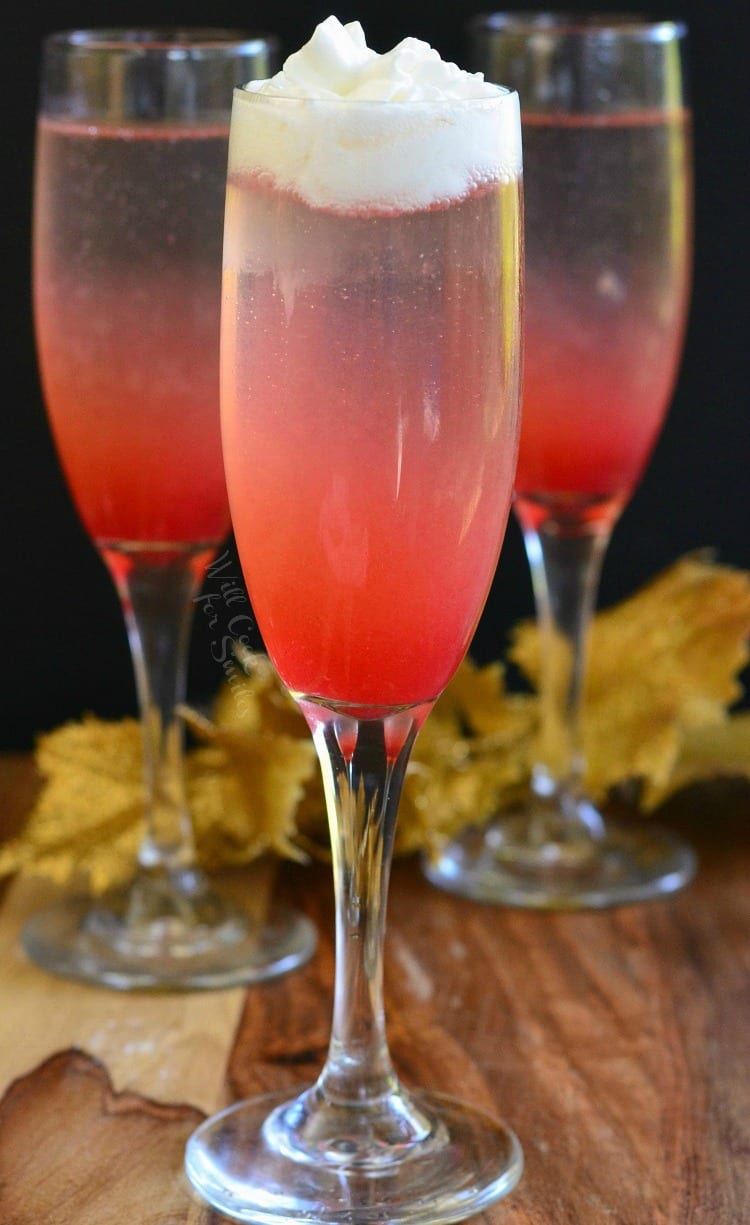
(369, 415)
(608, 227)
(127, 258)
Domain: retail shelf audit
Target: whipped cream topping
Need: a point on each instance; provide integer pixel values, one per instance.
(337, 63)
(323, 127)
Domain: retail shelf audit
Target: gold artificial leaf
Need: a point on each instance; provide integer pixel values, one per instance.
(246, 789)
(469, 758)
(88, 816)
(257, 701)
(243, 793)
(713, 751)
(661, 662)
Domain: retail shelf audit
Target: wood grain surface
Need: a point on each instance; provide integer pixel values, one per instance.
(617, 1045)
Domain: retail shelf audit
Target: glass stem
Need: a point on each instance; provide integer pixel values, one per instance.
(157, 593)
(363, 763)
(565, 559)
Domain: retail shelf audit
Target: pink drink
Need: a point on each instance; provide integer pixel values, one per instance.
(369, 388)
(606, 294)
(126, 257)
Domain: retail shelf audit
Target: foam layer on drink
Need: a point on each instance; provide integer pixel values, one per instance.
(345, 128)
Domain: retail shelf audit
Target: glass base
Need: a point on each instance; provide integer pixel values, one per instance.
(502, 864)
(169, 935)
(249, 1163)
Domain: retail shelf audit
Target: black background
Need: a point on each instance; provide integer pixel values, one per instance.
(61, 633)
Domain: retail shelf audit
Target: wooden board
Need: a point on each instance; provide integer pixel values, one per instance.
(616, 1044)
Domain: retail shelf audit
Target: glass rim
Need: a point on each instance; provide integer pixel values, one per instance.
(574, 22)
(137, 40)
(503, 94)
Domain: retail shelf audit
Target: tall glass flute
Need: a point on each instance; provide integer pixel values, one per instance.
(607, 173)
(370, 355)
(129, 195)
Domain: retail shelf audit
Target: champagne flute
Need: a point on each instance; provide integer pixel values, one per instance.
(128, 204)
(607, 187)
(370, 369)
